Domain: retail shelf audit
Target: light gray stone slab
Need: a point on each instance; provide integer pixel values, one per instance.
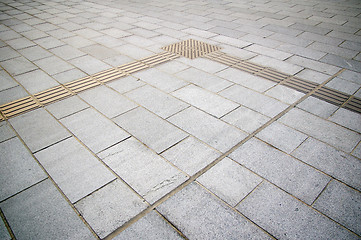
(36, 81)
(110, 207)
(161, 80)
(313, 76)
(206, 101)
(76, 171)
(342, 204)
(246, 119)
(319, 128)
(89, 64)
(229, 181)
(133, 51)
(281, 66)
(6, 132)
(19, 170)
(41, 212)
(78, 41)
(343, 85)
(318, 107)
(351, 76)
(38, 129)
(284, 94)
(331, 161)
(254, 100)
(12, 94)
(280, 55)
(347, 119)
(199, 215)
(286, 218)
(6, 81)
(107, 101)
(53, 65)
(293, 176)
(18, 66)
(4, 233)
(67, 107)
(94, 130)
(118, 60)
(67, 52)
(282, 137)
(99, 52)
(207, 65)
(191, 155)
(160, 103)
(150, 227)
(209, 129)
(153, 131)
(357, 151)
(245, 79)
(146, 172)
(126, 84)
(172, 67)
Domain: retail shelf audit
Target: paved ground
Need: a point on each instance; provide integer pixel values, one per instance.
(191, 148)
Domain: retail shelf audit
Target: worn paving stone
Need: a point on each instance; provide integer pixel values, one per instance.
(19, 170)
(41, 212)
(206, 101)
(199, 215)
(66, 107)
(76, 171)
(152, 226)
(38, 129)
(321, 129)
(229, 181)
(110, 207)
(357, 151)
(107, 101)
(351, 76)
(280, 55)
(318, 107)
(286, 218)
(314, 65)
(153, 131)
(281, 66)
(36, 81)
(78, 41)
(347, 118)
(209, 129)
(331, 161)
(94, 130)
(172, 67)
(284, 94)
(146, 172)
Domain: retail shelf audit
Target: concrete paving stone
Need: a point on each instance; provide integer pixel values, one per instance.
(227, 32)
(231, 41)
(343, 85)
(229, 24)
(206, 65)
(61, 33)
(321, 129)
(309, 29)
(95, 26)
(138, 41)
(164, 40)
(153, 131)
(351, 45)
(35, 53)
(70, 75)
(172, 67)
(107, 101)
(41, 212)
(357, 151)
(12, 94)
(316, 36)
(110, 207)
(126, 84)
(4, 234)
(351, 76)
(283, 30)
(118, 60)
(254, 30)
(302, 51)
(151, 226)
(53, 65)
(342, 204)
(78, 41)
(204, 100)
(237, 52)
(18, 66)
(191, 155)
(6, 81)
(34, 34)
(8, 35)
(254, 100)
(246, 79)
(89, 64)
(199, 32)
(266, 42)
(108, 41)
(343, 52)
(229, 181)
(70, 26)
(20, 43)
(331, 161)
(99, 51)
(23, 27)
(281, 66)
(6, 132)
(314, 65)
(94, 130)
(160, 103)
(161, 80)
(74, 169)
(344, 35)
(284, 94)
(67, 52)
(38, 129)
(66, 107)
(209, 129)
(286, 218)
(338, 61)
(300, 180)
(318, 107)
(199, 215)
(49, 42)
(146, 172)
(133, 51)
(347, 119)
(268, 52)
(19, 169)
(36, 81)
(87, 33)
(143, 32)
(313, 76)
(147, 25)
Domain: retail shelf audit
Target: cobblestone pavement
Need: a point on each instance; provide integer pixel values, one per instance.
(205, 148)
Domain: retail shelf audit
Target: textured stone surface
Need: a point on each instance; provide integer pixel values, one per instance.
(318, 107)
(4, 233)
(347, 119)
(67, 107)
(5, 132)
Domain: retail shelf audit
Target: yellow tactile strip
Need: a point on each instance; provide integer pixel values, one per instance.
(191, 48)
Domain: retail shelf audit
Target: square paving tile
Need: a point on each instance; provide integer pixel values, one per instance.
(36, 81)
(18, 66)
(89, 64)
(67, 107)
(53, 65)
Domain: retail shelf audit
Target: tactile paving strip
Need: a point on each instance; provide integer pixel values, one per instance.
(191, 48)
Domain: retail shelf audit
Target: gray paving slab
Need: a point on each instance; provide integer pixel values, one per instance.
(107, 101)
(6, 81)
(343, 85)
(357, 151)
(286, 218)
(209, 129)
(69, 75)
(20, 43)
(318, 107)
(66, 107)
(49, 42)
(35, 53)
(126, 84)
(18, 66)
(146, 172)
(38, 129)
(281, 66)
(293, 176)
(338, 61)
(199, 215)
(98, 51)
(118, 60)
(153, 131)
(110, 207)
(172, 67)
(321, 129)
(67, 52)
(4, 233)
(36, 81)
(280, 55)
(314, 65)
(53, 65)
(230, 181)
(133, 51)
(347, 119)
(8, 53)
(209, 102)
(78, 41)
(12, 94)
(152, 226)
(89, 64)
(94, 130)
(341, 204)
(6, 132)
(19, 169)
(41, 212)
(313, 76)
(284, 94)
(351, 76)
(158, 102)
(74, 169)
(331, 161)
